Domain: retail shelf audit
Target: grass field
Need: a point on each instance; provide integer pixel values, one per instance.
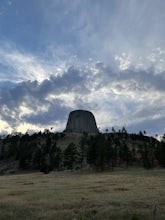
(132, 194)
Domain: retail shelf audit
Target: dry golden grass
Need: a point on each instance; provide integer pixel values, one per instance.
(129, 194)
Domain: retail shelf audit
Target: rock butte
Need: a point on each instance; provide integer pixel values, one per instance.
(80, 121)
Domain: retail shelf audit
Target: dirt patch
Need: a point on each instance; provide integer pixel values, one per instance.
(17, 193)
(121, 189)
(28, 183)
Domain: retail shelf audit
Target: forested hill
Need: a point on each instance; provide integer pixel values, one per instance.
(47, 151)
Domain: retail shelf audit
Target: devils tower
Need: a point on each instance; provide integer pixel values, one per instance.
(80, 121)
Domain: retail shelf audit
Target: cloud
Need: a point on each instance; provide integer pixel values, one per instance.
(105, 56)
(17, 65)
(106, 29)
(4, 6)
(130, 98)
(92, 28)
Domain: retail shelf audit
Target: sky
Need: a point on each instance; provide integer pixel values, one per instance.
(105, 56)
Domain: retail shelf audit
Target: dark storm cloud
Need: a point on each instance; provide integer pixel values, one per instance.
(55, 112)
(72, 80)
(145, 78)
(133, 96)
(35, 95)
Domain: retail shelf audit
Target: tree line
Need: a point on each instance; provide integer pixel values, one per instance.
(102, 151)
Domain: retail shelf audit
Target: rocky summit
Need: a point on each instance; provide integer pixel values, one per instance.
(80, 121)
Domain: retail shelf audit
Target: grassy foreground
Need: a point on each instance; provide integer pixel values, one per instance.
(131, 195)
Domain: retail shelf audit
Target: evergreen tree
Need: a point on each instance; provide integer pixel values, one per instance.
(160, 153)
(55, 156)
(146, 155)
(70, 156)
(97, 152)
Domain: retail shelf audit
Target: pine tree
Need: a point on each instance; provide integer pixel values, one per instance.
(70, 156)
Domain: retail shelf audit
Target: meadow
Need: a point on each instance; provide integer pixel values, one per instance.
(132, 194)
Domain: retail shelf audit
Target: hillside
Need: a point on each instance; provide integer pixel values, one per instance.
(59, 151)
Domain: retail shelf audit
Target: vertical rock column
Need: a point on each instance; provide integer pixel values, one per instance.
(80, 121)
